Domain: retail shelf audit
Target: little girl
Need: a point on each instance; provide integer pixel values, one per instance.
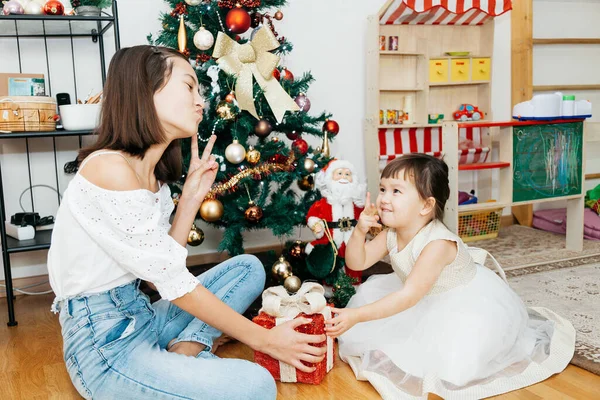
(441, 323)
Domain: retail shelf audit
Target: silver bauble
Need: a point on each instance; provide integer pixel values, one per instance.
(292, 283)
(235, 153)
(203, 39)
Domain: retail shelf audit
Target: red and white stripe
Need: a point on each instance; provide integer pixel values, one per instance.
(443, 12)
(395, 142)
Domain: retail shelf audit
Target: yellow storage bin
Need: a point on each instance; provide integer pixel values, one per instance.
(460, 70)
(438, 71)
(479, 225)
(481, 69)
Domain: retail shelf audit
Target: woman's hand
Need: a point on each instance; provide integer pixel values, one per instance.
(368, 218)
(291, 347)
(201, 172)
(345, 319)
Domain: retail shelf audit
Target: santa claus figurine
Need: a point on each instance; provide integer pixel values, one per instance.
(337, 211)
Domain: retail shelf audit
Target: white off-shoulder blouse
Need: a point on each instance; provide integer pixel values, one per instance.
(104, 238)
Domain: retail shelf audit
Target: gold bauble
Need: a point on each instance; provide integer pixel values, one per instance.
(235, 153)
(253, 156)
(253, 213)
(196, 236)
(309, 165)
(278, 15)
(292, 284)
(211, 210)
(282, 269)
(181, 36)
(306, 183)
(226, 110)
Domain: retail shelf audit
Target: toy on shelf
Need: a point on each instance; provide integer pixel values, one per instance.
(466, 198)
(435, 118)
(467, 112)
(546, 107)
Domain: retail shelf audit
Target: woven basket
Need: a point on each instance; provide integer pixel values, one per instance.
(479, 225)
(27, 114)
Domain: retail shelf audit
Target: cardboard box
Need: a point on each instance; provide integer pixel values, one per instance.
(15, 84)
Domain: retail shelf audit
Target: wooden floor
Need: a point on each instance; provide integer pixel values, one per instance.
(31, 366)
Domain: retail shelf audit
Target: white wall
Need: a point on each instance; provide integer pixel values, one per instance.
(329, 39)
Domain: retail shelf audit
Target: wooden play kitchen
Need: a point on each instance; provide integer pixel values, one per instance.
(437, 66)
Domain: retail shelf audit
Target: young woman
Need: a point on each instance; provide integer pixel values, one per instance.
(112, 230)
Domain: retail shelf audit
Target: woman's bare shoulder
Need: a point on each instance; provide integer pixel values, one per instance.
(110, 171)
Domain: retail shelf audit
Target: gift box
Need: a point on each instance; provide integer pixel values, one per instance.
(280, 307)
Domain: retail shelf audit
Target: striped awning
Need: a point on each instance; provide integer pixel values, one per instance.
(442, 12)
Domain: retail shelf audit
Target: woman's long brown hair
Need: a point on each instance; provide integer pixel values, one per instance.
(129, 121)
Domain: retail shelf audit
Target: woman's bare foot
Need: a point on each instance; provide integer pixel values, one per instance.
(191, 349)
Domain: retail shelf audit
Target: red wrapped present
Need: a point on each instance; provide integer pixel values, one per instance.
(280, 307)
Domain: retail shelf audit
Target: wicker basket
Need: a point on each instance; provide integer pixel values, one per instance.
(479, 225)
(27, 114)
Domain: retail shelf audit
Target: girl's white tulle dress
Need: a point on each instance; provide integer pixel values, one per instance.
(471, 337)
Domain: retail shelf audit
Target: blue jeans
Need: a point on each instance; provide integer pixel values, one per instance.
(115, 342)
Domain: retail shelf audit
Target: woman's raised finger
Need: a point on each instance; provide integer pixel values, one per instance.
(209, 147)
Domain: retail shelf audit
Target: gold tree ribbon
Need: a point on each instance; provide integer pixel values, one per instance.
(254, 59)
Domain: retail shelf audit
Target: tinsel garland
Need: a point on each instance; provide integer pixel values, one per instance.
(263, 169)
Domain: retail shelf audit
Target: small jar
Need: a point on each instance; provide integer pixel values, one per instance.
(568, 106)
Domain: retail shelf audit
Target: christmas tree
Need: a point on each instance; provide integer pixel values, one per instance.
(260, 114)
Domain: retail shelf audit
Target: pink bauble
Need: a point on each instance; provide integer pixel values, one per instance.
(12, 7)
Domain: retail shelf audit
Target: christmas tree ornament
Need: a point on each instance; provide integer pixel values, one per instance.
(263, 128)
(54, 7)
(300, 146)
(181, 36)
(278, 15)
(276, 74)
(324, 149)
(33, 8)
(330, 126)
(275, 139)
(253, 213)
(226, 111)
(238, 20)
(303, 102)
(282, 269)
(254, 60)
(292, 284)
(12, 7)
(278, 159)
(203, 39)
(193, 2)
(230, 98)
(287, 74)
(196, 236)
(293, 135)
(309, 165)
(306, 183)
(235, 153)
(211, 210)
(253, 156)
(297, 250)
(238, 3)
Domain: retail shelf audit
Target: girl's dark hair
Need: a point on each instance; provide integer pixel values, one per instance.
(129, 121)
(427, 173)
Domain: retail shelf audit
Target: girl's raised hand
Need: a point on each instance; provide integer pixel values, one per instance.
(345, 319)
(368, 218)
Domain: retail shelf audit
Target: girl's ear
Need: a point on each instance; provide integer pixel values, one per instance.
(428, 206)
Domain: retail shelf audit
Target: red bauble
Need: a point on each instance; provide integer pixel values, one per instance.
(293, 135)
(237, 20)
(300, 146)
(287, 74)
(332, 127)
(276, 74)
(54, 7)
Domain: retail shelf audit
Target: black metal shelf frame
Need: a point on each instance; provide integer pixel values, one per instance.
(44, 27)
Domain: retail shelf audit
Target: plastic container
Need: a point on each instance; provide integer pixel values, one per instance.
(79, 117)
(568, 106)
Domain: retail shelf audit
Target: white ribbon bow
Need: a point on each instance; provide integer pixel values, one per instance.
(309, 299)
